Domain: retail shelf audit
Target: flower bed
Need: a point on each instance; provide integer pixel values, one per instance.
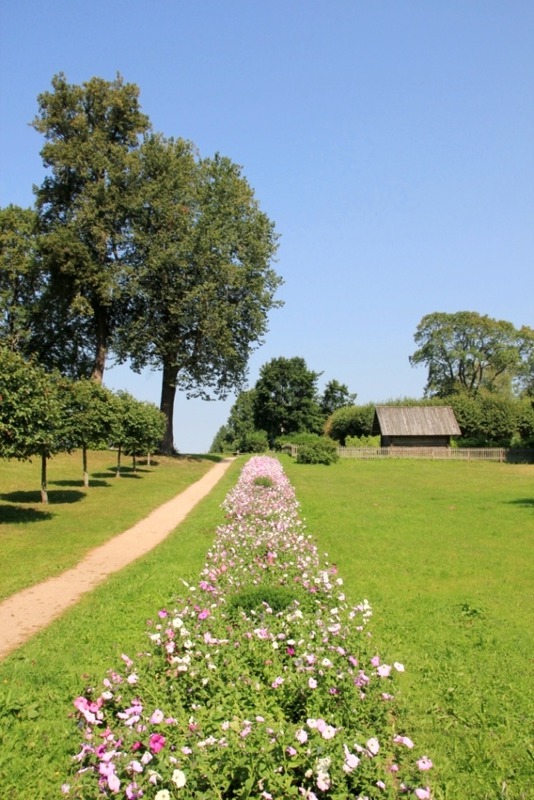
(260, 682)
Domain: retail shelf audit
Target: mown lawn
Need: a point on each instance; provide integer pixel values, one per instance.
(40, 540)
(39, 681)
(444, 553)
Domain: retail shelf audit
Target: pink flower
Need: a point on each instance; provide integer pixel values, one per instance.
(405, 740)
(157, 717)
(114, 783)
(424, 763)
(384, 670)
(204, 613)
(301, 736)
(291, 751)
(351, 760)
(277, 682)
(423, 794)
(312, 683)
(323, 781)
(156, 742)
(373, 746)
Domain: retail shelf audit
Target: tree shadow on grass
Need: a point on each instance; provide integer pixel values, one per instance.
(126, 472)
(18, 515)
(92, 482)
(54, 497)
(525, 502)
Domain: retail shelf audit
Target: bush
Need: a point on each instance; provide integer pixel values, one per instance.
(253, 442)
(362, 441)
(323, 451)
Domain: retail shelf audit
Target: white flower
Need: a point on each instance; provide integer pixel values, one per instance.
(178, 778)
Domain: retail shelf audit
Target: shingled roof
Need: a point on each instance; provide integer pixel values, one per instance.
(415, 421)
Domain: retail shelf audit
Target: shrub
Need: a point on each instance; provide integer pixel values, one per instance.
(324, 451)
(362, 441)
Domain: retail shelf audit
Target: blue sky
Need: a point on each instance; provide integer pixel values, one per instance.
(391, 141)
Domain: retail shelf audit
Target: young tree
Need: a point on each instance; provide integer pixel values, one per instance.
(203, 283)
(92, 417)
(139, 429)
(92, 132)
(286, 398)
(466, 351)
(32, 413)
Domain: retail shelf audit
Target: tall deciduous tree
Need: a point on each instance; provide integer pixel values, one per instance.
(203, 282)
(467, 351)
(286, 398)
(92, 132)
(21, 281)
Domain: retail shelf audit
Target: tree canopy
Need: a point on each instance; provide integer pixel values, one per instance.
(202, 282)
(92, 132)
(467, 351)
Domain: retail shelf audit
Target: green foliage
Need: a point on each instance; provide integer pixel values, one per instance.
(91, 134)
(20, 276)
(203, 283)
(286, 398)
(297, 438)
(323, 451)
(467, 352)
(336, 395)
(350, 421)
(362, 441)
(493, 420)
(32, 419)
(253, 442)
(140, 425)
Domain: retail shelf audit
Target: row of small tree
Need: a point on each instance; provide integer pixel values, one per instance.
(43, 413)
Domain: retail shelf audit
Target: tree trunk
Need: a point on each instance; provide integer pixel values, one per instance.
(168, 393)
(118, 473)
(101, 328)
(84, 466)
(44, 486)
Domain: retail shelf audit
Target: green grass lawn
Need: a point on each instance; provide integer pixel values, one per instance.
(444, 553)
(40, 540)
(39, 681)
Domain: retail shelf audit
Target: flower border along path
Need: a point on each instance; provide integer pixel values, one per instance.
(260, 682)
(25, 613)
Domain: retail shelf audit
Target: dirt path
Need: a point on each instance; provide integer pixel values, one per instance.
(25, 613)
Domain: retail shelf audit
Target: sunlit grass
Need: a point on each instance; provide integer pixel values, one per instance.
(38, 541)
(444, 554)
(39, 681)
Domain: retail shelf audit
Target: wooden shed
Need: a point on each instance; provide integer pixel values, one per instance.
(415, 426)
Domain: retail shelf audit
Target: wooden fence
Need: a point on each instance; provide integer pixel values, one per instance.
(501, 454)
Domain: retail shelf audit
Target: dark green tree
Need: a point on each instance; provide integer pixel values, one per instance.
(466, 351)
(203, 283)
(21, 280)
(92, 133)
(286, 398)
(336, 395)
